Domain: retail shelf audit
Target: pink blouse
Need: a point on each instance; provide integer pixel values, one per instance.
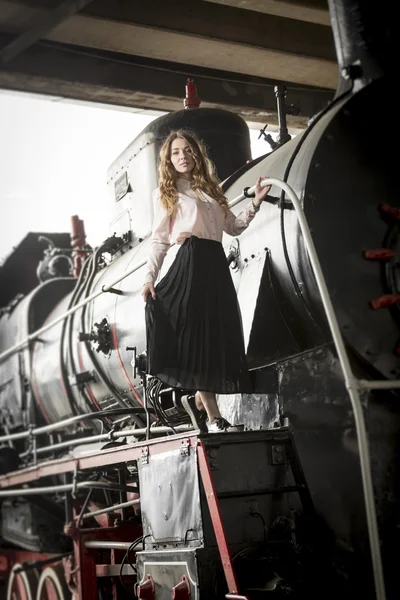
(204, 218)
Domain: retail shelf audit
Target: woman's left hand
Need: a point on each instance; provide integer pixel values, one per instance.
(261, 192)
(183, 236)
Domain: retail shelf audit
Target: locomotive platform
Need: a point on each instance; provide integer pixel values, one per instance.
(132, 452)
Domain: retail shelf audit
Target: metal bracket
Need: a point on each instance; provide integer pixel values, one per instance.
(145, 456)
(134, 359)
(112, 290)
(81, 379)
(185, 448)
(278, 454)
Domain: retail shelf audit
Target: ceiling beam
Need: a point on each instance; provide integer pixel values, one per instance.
(137, 82)
(39, 27)
(225, 23)
(200, 33)
(312, 11)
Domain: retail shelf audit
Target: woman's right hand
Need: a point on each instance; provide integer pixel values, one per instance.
(148, 288)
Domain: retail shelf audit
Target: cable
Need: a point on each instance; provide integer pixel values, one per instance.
(126, 558)
(153, 390)
(70, 326)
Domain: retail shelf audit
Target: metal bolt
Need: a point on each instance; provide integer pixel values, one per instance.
(346, 72)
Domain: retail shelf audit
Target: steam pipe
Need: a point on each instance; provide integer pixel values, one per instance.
(106, 437)
(52, 489)
(67, 422)
(103, 511)
(364, 38)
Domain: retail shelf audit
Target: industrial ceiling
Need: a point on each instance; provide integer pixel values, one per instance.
(139, 54)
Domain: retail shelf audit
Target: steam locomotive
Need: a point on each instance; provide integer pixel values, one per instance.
(88, 437)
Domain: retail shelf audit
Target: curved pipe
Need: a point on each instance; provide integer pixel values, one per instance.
(67, 422)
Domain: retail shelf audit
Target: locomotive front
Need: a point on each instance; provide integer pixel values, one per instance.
(306, 494)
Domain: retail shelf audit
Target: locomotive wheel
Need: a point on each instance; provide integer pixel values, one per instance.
(23, 585)
(52, 585)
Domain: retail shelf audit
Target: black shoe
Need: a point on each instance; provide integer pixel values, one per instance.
(198, 417)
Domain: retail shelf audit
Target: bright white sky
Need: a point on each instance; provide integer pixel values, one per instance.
(54, 157)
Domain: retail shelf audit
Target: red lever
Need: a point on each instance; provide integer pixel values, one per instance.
(379, 254)
(145, 590)
(182, 590)
(384, 301)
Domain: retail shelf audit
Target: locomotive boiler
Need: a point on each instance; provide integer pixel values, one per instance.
(88, 437)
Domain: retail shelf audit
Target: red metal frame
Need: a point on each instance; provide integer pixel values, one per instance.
(110, 456)
(86, 559)
(216, 519)
(10, 557)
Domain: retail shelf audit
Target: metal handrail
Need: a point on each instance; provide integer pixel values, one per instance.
(352, 385)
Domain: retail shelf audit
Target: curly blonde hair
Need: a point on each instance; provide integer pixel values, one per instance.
(204, 177)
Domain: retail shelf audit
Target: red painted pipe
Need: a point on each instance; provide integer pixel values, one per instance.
(379, 254)
(389, 210)
(78, 239)
(384, 301)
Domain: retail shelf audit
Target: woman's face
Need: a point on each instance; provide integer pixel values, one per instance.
(182, 157)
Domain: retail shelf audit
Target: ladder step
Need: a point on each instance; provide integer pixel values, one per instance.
(270, 490)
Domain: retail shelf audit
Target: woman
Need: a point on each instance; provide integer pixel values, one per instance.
(193, 324)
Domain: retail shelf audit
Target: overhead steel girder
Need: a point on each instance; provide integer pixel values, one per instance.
(205, 34)
(214, 21)
(114, 78)
(39, 27)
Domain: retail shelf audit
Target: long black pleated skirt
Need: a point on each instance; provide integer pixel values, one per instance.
(194, 328)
